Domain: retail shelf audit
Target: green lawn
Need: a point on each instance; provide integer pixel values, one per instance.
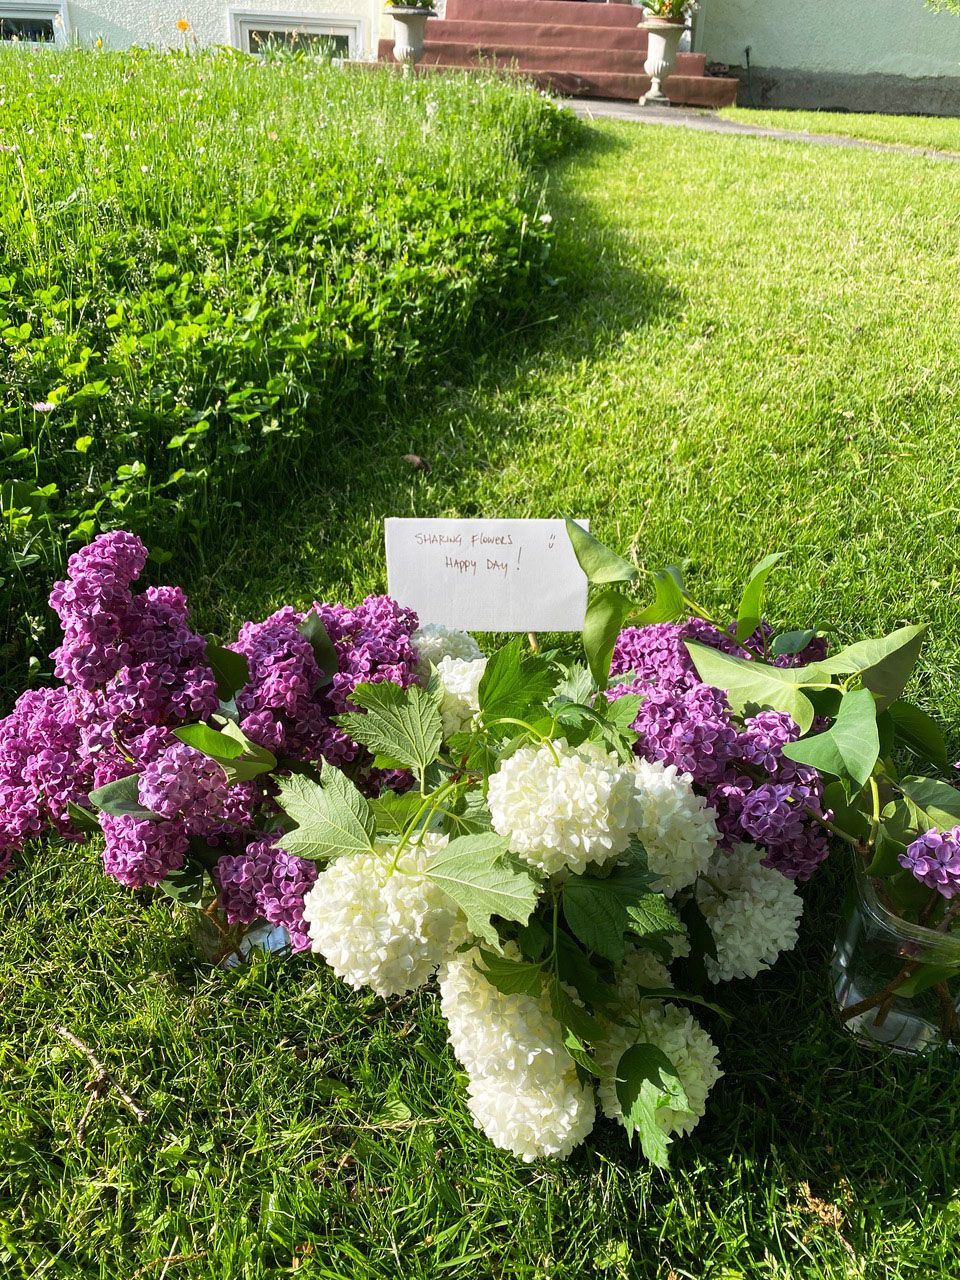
(750, 347)
(934, 134)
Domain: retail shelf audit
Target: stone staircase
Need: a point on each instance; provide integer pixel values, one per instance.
(576, 47)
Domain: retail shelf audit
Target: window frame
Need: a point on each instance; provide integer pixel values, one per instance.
(54, 11)
(243, 21)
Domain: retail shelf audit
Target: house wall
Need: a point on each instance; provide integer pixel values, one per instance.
(120, 23)
(865, 55)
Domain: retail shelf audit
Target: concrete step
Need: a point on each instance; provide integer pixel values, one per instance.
(566, 12)
(503, 54)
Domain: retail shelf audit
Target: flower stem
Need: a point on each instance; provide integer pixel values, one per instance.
(430, 805)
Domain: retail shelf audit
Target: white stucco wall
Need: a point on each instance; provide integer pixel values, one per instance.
(857, 37)
(120, 23)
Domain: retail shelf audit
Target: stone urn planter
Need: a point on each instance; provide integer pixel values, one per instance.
(409, 28)
(663, 40)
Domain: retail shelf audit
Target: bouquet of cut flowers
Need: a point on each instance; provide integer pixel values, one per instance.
(572, 852)
(409, 808)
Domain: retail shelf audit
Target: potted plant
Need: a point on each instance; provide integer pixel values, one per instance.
(409, 29)
(664, 22)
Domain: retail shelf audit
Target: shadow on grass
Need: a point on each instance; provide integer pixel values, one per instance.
(420, 454)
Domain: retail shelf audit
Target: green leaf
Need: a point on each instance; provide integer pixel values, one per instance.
(886, 854)
(577, 685)
(789, 643)
(237, 755)
(83, 819)
(884, 665)
(849, 817)
(572, 1016)
(579, 1052)
(750, 612)
(598, 562)
(533, 940)
(469, 816)
(596, 916)
(122, 799)
(213, 743)
(186, 885)
(622, 712)
(392, 812)
(938, 802)
(576, 968)
(606, 611)
(903, 821)
(751, 685)
(600, 910)
(689, 997)
(702, 944)
(484, 881)
(332, 817)
(670, 601)
(924, 977)
(231, 669)
(651, 917)
(403, 726)
(646, 1081)
(513, 682)
(324, 650)
(850, 748)
(511, 977)
(919, 732)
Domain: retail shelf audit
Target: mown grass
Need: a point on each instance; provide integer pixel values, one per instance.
(736, 361)
(930, 133)
(211, 263)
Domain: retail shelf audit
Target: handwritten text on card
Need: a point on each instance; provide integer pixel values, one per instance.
(487, 575)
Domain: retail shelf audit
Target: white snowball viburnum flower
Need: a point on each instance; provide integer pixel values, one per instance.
(641, 968)
(531, 1117)
(380, 929)
(433, 643)
(561, 807)
(523, 1092)
(753, 912)
(678, 1035)
(676, 827)
(460, 679)
(490, 1029)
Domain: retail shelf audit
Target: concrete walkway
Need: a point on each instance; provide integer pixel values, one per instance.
(708, 122)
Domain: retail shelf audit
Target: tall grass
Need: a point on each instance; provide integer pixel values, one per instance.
(212, 265)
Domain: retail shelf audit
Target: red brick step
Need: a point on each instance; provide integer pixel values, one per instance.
(582, 13)
(579, 48)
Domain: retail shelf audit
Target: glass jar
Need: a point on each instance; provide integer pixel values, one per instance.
(895, 983)
(229, 945)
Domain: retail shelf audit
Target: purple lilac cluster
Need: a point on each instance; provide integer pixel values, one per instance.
(288, 704)
(759, 795)
(265, 883)
(182, 782)
(132, 670)
(934, 859)
(139, 853)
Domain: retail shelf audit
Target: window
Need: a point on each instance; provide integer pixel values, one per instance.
(29, 22)
(316, 33)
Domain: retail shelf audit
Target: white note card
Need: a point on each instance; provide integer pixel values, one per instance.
(487, 575)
